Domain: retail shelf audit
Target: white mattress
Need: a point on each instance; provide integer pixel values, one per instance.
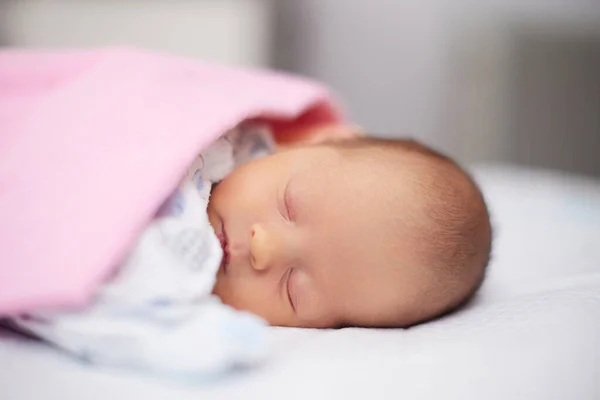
(533, 333)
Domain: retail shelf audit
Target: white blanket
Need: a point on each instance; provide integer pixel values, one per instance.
(158, 312)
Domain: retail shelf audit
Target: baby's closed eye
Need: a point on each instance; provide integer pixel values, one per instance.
(287, 289)
(292, 294)
(286, 204)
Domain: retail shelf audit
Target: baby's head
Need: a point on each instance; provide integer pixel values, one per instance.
(361, 232)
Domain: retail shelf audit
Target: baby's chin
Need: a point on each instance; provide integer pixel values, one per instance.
(218, 288)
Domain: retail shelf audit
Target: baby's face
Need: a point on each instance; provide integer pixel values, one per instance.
(310, 241)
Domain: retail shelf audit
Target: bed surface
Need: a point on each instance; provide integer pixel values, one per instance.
(533, 332)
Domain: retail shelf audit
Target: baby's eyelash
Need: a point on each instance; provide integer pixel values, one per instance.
(287, 288)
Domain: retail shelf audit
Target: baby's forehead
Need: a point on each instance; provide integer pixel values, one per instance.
(358, 209)
(357, 186)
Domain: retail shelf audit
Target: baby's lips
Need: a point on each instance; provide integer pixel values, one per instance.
(222, 236)
(225, 260)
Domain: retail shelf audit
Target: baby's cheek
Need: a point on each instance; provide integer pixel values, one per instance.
(235, 294)
(305, 294)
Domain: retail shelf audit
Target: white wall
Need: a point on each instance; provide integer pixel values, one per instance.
(444, 71)
(229, 31)
(384, 57)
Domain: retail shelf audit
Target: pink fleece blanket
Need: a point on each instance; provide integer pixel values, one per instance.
(92, 142)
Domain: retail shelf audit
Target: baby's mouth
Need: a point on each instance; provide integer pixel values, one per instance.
(223, 240)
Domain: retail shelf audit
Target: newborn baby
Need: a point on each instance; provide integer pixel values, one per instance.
(356, 231)
(335, 230)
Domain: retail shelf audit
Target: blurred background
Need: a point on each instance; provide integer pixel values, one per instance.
(513, 81)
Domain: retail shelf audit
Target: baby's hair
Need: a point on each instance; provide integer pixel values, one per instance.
(457, 233)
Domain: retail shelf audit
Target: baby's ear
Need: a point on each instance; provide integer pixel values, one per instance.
(315, 134)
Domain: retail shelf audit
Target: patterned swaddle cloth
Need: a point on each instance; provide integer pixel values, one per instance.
(157, 313)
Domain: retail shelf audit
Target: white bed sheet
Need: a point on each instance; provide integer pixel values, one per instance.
(532, 333)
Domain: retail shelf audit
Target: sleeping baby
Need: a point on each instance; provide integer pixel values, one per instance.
(328, 229)
(352, 231)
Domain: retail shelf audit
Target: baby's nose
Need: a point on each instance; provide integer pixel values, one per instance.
(265, 248)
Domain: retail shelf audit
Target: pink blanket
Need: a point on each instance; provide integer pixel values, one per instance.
(92, 142)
